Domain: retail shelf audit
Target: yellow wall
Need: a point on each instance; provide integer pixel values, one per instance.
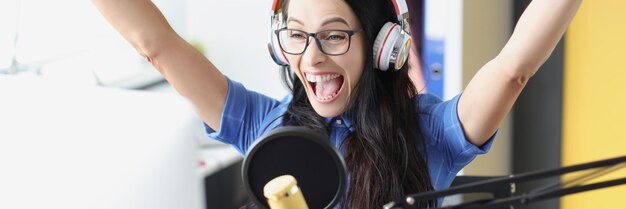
(594, 125)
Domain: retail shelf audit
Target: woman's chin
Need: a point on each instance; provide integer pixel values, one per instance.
(328, 110)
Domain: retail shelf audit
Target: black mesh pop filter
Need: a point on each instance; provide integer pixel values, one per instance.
(307, 155)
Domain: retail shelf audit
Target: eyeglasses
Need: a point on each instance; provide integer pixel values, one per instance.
(330, 42)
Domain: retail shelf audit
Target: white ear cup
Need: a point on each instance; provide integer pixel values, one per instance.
(391, 47)
(277, 54)
(383, 45)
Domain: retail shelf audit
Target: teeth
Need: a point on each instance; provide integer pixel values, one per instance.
(327, 97)
(321, 78)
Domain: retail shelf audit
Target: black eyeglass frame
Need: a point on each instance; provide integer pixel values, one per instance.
(317, 41)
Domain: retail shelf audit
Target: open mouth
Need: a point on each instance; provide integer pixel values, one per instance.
(326, 87)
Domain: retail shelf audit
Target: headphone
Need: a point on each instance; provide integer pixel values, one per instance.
(391, 46)
(277, 21)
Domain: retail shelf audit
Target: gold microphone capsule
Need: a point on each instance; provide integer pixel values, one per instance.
(283, 193)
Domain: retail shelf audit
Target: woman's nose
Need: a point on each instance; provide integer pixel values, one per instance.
(313, 55)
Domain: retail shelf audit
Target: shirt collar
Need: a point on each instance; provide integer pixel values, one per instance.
(340, 121)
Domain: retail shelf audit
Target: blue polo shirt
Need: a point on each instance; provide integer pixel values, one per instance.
(247, 115)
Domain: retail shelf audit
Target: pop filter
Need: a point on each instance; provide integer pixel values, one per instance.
(303, 153)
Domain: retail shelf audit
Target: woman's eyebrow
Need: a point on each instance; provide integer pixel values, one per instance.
(326, 22)
(335, 19)
(291, 19)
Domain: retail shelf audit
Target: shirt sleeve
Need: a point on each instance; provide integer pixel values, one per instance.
(242, 116)
(444, 135)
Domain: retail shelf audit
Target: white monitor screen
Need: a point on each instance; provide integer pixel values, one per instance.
(71, 148)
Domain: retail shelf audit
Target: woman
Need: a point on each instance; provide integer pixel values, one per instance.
(394, 141)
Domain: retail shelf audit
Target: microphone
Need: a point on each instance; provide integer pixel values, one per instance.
(303, 154)
(284, 193)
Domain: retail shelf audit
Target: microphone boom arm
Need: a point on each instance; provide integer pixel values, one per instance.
(551, 191)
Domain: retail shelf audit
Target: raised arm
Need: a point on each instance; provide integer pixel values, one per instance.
(191, 74)
(491, 93)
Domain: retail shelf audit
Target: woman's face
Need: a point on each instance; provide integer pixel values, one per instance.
(328, 80)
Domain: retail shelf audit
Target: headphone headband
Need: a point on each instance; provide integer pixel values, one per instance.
(277, 7)
(400, 7)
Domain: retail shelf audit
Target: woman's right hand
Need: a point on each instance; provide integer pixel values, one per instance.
(187, 70)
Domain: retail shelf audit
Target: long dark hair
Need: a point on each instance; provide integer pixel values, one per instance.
(382, 153)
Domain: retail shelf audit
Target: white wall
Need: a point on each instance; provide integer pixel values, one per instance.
(68, 41)
(235, 34)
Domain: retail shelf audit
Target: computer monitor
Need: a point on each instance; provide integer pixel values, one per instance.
(88, 147)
